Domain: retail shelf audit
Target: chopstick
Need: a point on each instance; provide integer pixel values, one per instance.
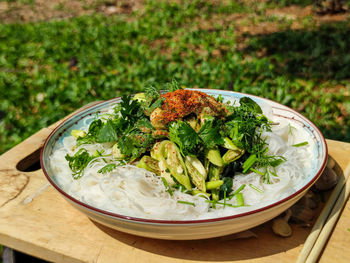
(328, 227)
(322, 228)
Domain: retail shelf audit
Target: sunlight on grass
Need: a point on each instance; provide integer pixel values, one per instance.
(49, 69)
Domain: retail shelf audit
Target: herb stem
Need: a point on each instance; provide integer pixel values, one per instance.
(186, 203)
(300, 144)
(256, 189)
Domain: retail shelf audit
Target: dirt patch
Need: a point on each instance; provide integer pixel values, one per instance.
(44, 10)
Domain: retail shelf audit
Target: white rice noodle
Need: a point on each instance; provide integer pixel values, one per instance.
(132, 191)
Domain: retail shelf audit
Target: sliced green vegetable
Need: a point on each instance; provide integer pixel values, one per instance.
(149, 164)
(214, 157)
(232, 155)
(78, 133)
(214, 175)
(170, 155)
(249, 163)
(228, 144)
(214, 184)
(240, 200)
(140, 97)
(196, 171)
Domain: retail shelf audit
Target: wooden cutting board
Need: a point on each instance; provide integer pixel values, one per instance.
(36, 220)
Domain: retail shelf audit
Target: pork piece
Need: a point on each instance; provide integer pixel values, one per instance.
(181, 103)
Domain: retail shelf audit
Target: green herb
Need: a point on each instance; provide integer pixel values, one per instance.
(152, 93)
(300, 144)
(237, 191)
(257, 171)
(256, 189)
(185, 137)
(226, 187)
(78, 162)
(240, 200)
(173, 86)
(107, 133)
(134, 143)
(221, 203)
(186, 203)
(251, 105)
(167, 187)
(210, 134)
(107, 168)
(249, 163)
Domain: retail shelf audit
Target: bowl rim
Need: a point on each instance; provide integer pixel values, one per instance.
(184, 222)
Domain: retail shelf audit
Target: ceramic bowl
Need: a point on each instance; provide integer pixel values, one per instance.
(191, 229)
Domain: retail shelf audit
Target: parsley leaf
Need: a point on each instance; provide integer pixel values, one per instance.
(134, 143)
(107, 168)
(107, 133)
(78, 162)
(185, 137)
(210, 134)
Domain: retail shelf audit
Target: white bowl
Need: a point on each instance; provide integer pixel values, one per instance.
(192, 229)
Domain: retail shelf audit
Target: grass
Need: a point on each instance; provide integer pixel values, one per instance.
(49, 69)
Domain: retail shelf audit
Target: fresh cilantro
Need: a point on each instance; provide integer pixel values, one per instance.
(144, 124)
(130, 109)
(185, 137)
(135, 143)
(107, 168)
(107, 133)
(78, 162)
(210, 134)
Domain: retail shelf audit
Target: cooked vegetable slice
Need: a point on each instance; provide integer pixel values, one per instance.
(149, 164)
(196, 171)
(214, 157)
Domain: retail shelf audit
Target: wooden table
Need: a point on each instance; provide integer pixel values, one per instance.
(36, 220)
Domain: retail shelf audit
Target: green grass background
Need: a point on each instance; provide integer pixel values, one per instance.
(49, 69)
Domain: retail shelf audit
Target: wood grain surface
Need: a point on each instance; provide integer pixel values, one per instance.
(38, 221)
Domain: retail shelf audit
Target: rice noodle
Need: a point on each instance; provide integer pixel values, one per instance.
(132, 191)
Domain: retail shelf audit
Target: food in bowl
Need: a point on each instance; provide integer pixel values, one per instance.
(183, 155)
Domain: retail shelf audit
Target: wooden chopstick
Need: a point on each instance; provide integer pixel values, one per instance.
(321, 220)
(329, 225)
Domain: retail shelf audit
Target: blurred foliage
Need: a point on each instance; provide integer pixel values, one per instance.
(49, 69)
(290, 2)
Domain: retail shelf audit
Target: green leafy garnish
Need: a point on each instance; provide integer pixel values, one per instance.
(256, 188)
(107, 168)
(210, 134)
(300, 144)
(78, 162)
(186, 203)
(167, 187)
(185, 137)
